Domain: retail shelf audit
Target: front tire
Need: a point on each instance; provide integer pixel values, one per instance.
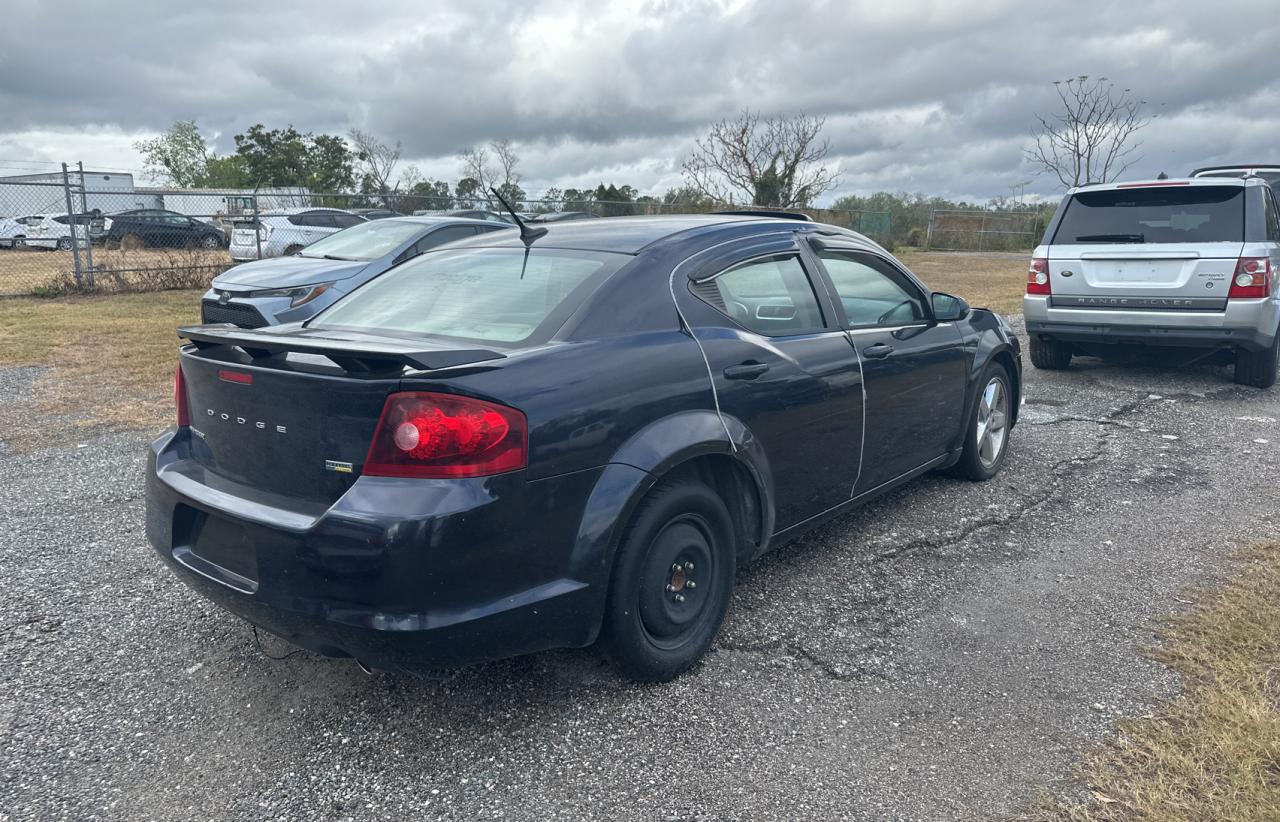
(293, 249)
(1258, 368)
(1049, 355)
(671, 582)
(64, 243)
(986, 439)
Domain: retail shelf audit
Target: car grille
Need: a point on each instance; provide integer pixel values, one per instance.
(245, 316)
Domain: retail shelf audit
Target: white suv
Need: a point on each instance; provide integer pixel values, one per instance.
(1186, 263)
(287, 231)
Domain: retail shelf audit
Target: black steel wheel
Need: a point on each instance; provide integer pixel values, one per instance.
(671, 583)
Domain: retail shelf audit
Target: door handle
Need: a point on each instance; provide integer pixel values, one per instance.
(745, 371)
(877, 352)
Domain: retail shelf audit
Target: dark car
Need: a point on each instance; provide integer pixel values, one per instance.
(568, 434)
(157, 228)
(293, 288)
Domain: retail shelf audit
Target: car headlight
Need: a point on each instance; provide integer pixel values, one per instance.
(297, 296)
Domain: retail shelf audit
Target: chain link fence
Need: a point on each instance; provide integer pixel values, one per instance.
(951, 230)
(76, 231)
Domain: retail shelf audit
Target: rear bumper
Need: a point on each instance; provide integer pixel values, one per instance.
(404, 575)
(1248, 324)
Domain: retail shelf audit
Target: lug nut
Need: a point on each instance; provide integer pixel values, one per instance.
(688, 566)
(675, 567)
(670, 587)
(691, 584)
(679, 597)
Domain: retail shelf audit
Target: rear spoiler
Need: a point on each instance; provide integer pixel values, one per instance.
(350, 355)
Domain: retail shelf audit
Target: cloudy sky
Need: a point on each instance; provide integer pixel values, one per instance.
(936, 97)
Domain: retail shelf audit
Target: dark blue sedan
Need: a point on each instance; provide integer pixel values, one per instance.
(298, 286)
(569, 435)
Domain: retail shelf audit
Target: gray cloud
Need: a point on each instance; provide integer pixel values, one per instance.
(920, 96)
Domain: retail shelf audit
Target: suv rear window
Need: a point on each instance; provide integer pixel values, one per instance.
(493, 295)
(1163, 214)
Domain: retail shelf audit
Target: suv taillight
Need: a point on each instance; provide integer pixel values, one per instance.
(1252, 278)
(180, 398)
(1038, 277)
(438, 436)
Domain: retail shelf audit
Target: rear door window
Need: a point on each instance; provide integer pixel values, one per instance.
(771, 296)
(1154, 214)
(493, 295)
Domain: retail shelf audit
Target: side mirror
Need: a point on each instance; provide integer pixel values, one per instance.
(947, 308)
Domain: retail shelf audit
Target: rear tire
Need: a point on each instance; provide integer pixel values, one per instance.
(131, 242)
(289, 251)
(671, 582)
(64, 244)
(210, 242)
(1049, 355)
(1258, 368)
(986, 438)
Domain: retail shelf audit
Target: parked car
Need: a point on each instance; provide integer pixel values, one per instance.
(286, 231)
(13, 234)
(482, 214)
(1267, 171)
(375, 213)
(54, 231)
(1187, 263)
(157, 228)
(560, 216)
(291, 289)
(572, 433)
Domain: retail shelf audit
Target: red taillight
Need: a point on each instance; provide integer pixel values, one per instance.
(428, 435)
(235, 376)
(1038, 277)
(180, 398)
(1252, 278)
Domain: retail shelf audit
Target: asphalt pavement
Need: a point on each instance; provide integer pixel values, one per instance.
(941, 654)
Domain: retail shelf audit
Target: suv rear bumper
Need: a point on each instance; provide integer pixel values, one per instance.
(403, 575)
(1248, 324)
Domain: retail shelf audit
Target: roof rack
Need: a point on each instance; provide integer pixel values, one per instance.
(768, 212)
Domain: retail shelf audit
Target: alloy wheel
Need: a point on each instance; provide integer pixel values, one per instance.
(993, 421)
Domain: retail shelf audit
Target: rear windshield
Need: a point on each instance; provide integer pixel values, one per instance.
(1165, 214)
(494, 295)
(366, 241)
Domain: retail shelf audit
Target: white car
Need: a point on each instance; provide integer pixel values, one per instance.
(13, 234)
(1161, 263)
(287, 231)
(53, 231)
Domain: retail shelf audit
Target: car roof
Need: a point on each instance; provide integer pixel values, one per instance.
(1241, 167)
(630, 235)
(285, 212)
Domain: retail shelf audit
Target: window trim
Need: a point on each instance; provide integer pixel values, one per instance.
(824, 311)
(909, 280)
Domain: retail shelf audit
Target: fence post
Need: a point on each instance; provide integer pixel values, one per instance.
(928, 232)
(71, 223)
(257, 226)
(88, 224)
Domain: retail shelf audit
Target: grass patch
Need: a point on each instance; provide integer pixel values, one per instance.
(1213, 752)
(112, 357)
(997, 283)
(146, 269)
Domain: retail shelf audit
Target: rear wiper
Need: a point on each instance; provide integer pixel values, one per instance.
(1111, 238)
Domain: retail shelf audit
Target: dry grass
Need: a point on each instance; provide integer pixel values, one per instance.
(112, 358)
(1213, 752)
(997, 283)
(29, 271)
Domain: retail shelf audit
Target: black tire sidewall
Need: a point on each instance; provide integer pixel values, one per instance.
(623, 636)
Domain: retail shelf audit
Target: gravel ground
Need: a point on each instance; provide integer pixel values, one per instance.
(938, 655)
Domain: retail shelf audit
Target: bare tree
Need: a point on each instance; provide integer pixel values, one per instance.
(1093, 138)
(507, 159)
(771, 162)
(376, 160)
(474, 164)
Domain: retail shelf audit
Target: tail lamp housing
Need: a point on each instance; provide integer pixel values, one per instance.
(1252, 278)
(429, 435)
(1038, 277)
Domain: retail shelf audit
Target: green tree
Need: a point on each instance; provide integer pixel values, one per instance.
(612, 201)
(286, 157)
(177, 157)
(225, 172)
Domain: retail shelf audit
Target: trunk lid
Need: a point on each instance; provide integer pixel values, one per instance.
(1159, 276)
(290, 414)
